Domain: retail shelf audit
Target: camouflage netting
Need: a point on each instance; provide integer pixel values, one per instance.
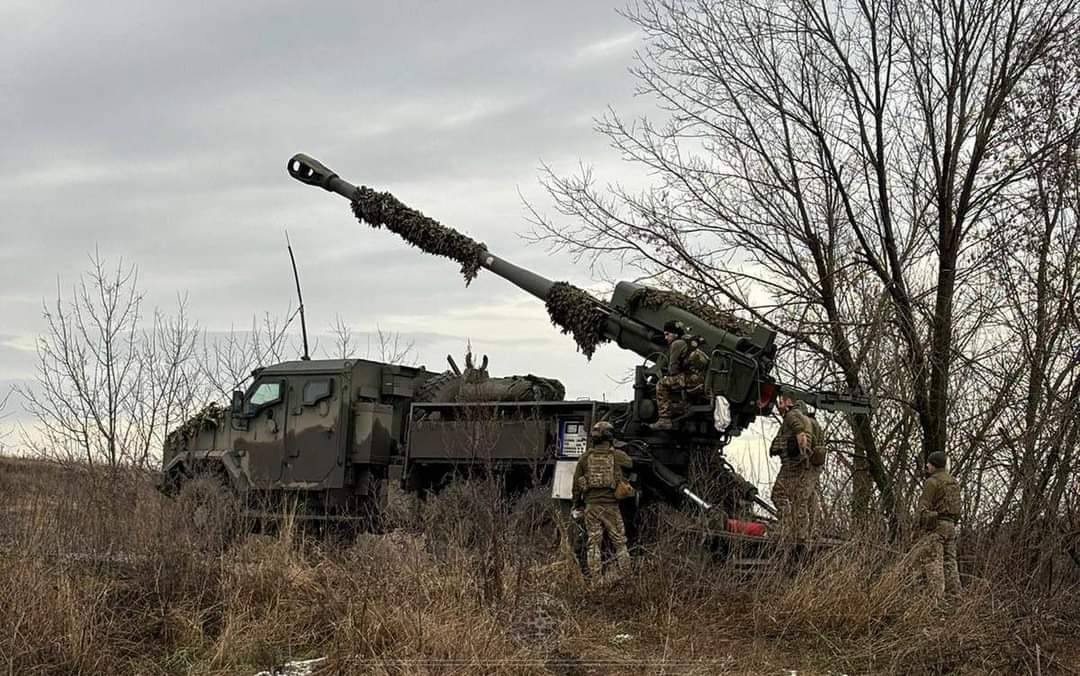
(654, 298)
(575, 312)
(210, 416)
(379, 209)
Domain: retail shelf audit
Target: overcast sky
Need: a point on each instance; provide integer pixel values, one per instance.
(159, 133)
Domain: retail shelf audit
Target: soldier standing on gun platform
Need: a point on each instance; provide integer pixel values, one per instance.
(793, 444)
(597, 476)
(673, 381)
(939, 510)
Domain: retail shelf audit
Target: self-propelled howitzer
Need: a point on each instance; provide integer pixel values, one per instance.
(738, 382)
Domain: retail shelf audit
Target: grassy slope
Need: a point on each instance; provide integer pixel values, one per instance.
(102, 575)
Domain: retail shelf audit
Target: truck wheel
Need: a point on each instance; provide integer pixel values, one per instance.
(210, 509)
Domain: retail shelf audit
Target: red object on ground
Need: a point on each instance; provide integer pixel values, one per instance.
(754, 528)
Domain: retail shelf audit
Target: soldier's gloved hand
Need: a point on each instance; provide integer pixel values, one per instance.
(576, 513)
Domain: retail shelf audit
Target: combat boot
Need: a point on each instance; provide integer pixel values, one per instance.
(661, 424)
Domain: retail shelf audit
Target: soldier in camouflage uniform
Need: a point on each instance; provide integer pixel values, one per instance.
(673, 382)
(793, 444)
(939, 510)
(597, 474)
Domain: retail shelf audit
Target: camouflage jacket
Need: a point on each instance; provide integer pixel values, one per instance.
(784, 443)
(677, 353)
(597, 472)
(940, 499)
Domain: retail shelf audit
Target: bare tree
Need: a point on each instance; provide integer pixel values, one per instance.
(389, 347)
(106, 388)
(227, 361)
(828, 169)
(1031, 453)
(171, 381)
(4, 414)
(343, 338)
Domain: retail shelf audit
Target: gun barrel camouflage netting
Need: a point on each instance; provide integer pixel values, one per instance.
(380, 209)
(655, 298)
(570, 308)
(579, 314)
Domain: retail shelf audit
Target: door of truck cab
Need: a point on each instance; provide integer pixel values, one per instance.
(316, 432)
(261, 438)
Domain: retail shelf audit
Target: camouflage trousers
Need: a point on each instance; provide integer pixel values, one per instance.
(935, 553)
(671, 393)
(601, 519)
(791, 496)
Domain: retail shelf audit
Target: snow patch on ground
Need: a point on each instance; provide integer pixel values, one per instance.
(301, 668)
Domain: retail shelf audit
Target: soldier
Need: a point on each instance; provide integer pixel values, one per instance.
(939, 510)
(793, 444)
(598, 473)
(673, 381)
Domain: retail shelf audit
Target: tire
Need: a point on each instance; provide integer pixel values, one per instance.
(210, 510)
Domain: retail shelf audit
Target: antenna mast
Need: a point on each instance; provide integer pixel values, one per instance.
(299, 296)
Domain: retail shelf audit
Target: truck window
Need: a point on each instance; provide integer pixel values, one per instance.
(265, 393)
(317, 390)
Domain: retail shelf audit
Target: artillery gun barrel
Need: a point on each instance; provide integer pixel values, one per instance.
(589, 319)
(309, 170)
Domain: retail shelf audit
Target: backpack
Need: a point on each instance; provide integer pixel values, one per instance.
(951, 498)
(698, 361)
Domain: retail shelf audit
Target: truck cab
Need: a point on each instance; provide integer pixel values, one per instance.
(321, 430)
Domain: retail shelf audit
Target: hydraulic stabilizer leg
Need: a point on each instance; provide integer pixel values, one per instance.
(700, 503)
(677, 482)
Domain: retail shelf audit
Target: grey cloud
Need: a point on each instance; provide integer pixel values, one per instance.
(159, 132)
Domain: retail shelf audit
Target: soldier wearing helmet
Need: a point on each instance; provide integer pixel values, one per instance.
(673, 383)
(598, 474)
(939, 510)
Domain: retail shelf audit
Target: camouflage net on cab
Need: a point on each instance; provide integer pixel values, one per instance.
(575, 312)
(379, 209)
(210, 416)
(653, 299)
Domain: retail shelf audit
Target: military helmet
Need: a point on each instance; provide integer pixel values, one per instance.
(603, 431)
(937, 459)
(672, 326)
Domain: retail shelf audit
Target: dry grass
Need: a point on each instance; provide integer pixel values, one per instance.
(102, 575)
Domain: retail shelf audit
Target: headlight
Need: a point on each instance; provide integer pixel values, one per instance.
(721, 413)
